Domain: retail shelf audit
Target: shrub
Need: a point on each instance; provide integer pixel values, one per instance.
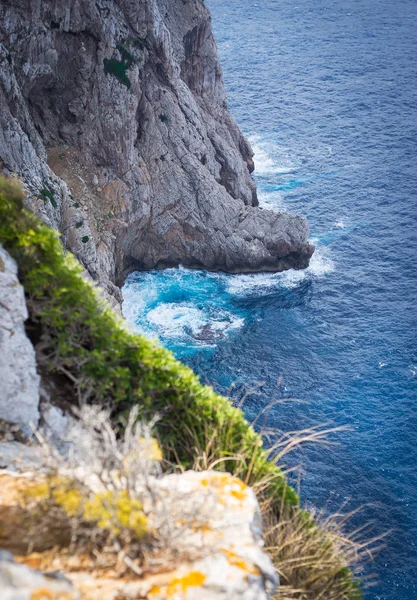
(95, 490)
(119, 68)
(46, 194)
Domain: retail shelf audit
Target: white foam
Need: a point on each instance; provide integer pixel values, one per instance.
(243, 284)
(270, 158)
(135, 302)
(321, 264)
(170, 319)
(339, 225)
(182, 321)
(272, 201)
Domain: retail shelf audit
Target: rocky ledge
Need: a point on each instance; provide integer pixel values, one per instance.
(114, 115)
(102, 521)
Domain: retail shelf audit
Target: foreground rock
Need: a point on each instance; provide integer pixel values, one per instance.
(215, 551)
(18, 582)
(116, 119)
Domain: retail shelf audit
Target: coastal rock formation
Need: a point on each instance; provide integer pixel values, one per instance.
(20, 382)
(114, 115)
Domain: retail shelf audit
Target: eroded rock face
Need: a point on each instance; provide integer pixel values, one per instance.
(19, 380)
(114, 114)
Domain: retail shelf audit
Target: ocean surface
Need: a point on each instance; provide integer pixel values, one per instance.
(327, 93)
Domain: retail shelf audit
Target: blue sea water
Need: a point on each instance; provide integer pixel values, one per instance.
(327, 93)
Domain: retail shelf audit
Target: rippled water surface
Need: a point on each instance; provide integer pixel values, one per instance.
(327, 93)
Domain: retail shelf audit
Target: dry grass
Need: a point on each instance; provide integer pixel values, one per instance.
(318, 556)
(313, 559)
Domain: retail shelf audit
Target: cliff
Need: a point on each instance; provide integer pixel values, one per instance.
(114, 115)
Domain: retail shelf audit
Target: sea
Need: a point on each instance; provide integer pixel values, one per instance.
(326, 91)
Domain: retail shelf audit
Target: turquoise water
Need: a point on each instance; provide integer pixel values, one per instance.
(327, 93)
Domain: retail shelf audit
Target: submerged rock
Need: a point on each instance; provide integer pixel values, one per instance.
(116, 119)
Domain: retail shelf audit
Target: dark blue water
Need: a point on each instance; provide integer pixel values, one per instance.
(327, 92)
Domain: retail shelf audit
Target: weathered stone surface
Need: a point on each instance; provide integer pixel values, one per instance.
(223, 537)
(19, 387)
(19, 457)
(56, 425)
(115, 116)
(225, 532)
(211, 527)
(19, 582)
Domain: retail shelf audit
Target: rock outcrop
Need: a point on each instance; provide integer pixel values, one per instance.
(213, 550)
(19, 380)
(114, 114)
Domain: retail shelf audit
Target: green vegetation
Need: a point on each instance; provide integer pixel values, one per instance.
(84, 342)
(118, 68)
(46, 194)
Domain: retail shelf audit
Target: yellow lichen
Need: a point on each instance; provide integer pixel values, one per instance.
(181, 584)
(68, 498)
(241, 563)
(178, 585)
(193, 579)
(225, 484)
(42, 594)
(146, 449)
(38, 491)
(46, 594)
(156, 589)
(238, 494)
(61, 491)
(116, 511)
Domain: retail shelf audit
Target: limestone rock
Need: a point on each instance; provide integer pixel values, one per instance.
(115, 116)
(19, 457)
(224, 534)
(209, 524)
(19, 582)
(56, 425)
(19, 389)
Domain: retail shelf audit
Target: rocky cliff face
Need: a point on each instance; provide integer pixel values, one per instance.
(20, 382)
(114, 114)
